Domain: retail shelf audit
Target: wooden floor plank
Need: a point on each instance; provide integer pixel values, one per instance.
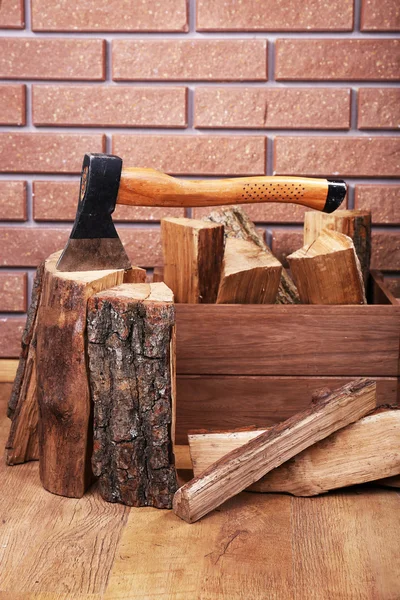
(347, 545)
(49, 544)
(241, 551)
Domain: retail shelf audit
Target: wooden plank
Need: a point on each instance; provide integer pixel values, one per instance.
(288, 340)
(226, 402)
(347, 545)
(52, 547)
(8, 369)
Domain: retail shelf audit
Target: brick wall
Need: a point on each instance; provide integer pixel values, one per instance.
(205, 88)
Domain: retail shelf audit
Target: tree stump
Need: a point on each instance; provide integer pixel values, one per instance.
(62, 378)
(131, 362)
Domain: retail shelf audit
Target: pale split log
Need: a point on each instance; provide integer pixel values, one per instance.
(356, 224)
(65, 410)
(364, 451)
(131, 361)
(247, 464)
(22, 444)
(193, 252)
(327, 271)
(238, 225)
(249, 274)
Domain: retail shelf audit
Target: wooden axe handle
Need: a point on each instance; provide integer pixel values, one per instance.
(148, 187)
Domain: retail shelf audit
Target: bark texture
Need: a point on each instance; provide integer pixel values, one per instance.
(238, 225)
(130, 333)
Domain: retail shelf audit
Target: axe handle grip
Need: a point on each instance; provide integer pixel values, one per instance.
(148, 187)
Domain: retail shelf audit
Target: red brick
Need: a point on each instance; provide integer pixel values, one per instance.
(193, 155)
(13, 200)
(273, 212)
(103, 15)
(379, 108)
(337, 59)
(385, 251)
(280, 108)
(46, 152)
(26, 247)
(13, 292)
(380, 15)
(57, 201)
(382, 200)
(10, 336)
(284, 242)
(201, 59)
(52, 58)
(118, 106)
(337, 156)
(12, 105)
(12, 14)
(274, 15)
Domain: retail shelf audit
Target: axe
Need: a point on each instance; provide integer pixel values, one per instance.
(94, 243)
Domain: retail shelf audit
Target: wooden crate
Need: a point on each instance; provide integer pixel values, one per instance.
(240, 365)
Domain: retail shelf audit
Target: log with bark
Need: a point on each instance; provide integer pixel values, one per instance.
(364, 451)
(65, 413)
(131, 362)
(328, 271)
(238, 226)
(193, 252)
(356, 224)
(249, 274)
(245, 465)
(22, 444)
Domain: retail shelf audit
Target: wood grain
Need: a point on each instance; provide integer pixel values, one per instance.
(8, 368)
(226, 402)
(288, 340)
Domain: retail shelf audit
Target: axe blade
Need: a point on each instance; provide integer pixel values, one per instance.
(94, 243)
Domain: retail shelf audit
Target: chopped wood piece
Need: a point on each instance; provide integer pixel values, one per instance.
(22, 443)
(193, 252)
(364, 451)
(158, 274)
(247, 464)
(356, 224)
(238, 225)
(249, 274)
(131, 352)
(328, 271)
(135, 275)
(62, 378)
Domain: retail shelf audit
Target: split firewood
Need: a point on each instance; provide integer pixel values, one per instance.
(328, 271)
(158, 274)
(135, 275)
(62, 378)
(364, 451)
(356, 224)
(22, 444)
(249, 274)
(131, 354)
(238, 225)
(244, 466)
(193, 252)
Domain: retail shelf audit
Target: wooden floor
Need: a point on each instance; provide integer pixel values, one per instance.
(257, 546)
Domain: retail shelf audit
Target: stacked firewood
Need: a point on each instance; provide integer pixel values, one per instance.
(224, 259)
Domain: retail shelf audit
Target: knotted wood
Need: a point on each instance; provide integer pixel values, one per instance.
(131, 362)
(65, 437)
(238, 225)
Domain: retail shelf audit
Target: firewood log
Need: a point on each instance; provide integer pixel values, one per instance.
(63, 392)
(328, 271)
(131, 362)
(193, 252)
(356, 224)
(22, 444)
(364, 451)
(244, 466)
(249, 275)
(238, 225)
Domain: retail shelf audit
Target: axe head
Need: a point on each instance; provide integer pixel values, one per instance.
(94, 243)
